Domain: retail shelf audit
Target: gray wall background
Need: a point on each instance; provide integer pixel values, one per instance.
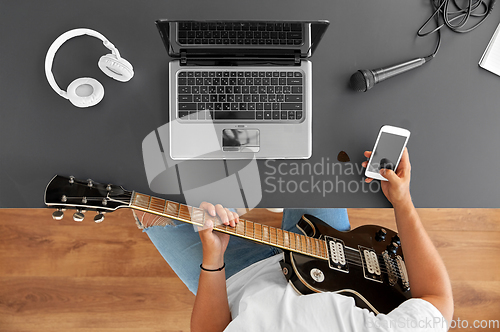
(450, 105)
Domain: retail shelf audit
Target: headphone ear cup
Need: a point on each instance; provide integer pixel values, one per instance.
(117, 68)
(85, 92)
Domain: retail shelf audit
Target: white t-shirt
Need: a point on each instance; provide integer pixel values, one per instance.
(260, 299)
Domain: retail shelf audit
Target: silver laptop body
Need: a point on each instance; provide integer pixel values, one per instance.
(217, 109)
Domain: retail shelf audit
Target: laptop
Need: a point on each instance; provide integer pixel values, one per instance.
(240, 89)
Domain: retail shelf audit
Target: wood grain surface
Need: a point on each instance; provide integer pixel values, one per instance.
(68, 276)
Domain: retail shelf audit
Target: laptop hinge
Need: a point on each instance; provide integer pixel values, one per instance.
(241, 58)
(297, 59)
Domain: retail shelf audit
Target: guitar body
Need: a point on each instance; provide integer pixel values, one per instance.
(309, 275)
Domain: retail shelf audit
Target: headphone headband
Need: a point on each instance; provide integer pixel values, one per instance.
(49, 58)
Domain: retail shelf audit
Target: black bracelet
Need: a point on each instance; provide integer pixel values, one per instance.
(219, 269)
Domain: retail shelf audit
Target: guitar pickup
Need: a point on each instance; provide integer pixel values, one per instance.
(371, 266)
(336, 254)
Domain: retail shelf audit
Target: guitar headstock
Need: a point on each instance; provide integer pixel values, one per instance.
(68, 192)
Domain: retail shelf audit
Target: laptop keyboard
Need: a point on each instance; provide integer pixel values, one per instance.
(241, 95)
(239, 33)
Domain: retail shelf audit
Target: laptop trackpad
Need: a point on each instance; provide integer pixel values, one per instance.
(240, 140)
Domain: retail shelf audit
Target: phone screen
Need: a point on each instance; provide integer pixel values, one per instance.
(387, 152)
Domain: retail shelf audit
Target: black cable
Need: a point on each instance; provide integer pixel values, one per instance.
(444, 16)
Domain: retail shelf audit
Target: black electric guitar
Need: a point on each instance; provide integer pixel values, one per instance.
(365, 263)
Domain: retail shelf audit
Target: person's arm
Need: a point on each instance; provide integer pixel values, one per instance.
(428, 277)
(211, 307)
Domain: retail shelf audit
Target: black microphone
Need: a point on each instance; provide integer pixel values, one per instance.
(364, 79)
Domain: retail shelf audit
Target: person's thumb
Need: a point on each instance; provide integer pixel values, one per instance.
(389, 174)
(208, 226)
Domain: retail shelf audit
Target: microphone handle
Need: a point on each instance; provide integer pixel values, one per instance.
(388, 72)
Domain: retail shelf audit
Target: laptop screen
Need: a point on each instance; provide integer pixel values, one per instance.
(266, 39)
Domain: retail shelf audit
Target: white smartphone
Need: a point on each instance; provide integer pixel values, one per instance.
(387, 152)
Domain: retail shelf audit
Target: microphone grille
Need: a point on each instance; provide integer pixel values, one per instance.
(362, 80)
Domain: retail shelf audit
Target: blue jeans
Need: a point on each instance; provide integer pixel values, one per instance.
(180, 244)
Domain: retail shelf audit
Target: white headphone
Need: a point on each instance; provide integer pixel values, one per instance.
(86, 91)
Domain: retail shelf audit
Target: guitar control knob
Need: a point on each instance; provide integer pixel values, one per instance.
(108, 187)
(380, 235)
(58, 214)
(99, 217)
(78, 216)
(392, 248)
(396, 239)
(317, 275)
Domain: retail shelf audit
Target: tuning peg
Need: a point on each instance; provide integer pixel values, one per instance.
(99, 217)
(78, 216)
(71, 179)
(90, 183)
(58, 214)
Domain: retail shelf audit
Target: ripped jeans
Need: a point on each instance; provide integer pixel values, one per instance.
(180, 245)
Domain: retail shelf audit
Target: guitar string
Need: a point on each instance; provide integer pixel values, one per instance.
(382, 265)
(354, 259)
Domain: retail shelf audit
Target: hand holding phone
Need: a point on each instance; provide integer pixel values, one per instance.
(397, 188)
(386, 154)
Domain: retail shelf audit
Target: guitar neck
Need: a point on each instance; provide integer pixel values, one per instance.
(272, 236)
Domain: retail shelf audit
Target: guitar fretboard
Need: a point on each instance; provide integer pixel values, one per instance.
(273, 236)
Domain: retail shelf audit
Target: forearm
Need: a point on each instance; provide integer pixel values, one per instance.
(428, 276)
(211, 307)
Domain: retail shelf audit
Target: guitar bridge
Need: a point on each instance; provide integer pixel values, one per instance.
(403, 273)
(396, 270)
(336, 254)
(391, 268)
